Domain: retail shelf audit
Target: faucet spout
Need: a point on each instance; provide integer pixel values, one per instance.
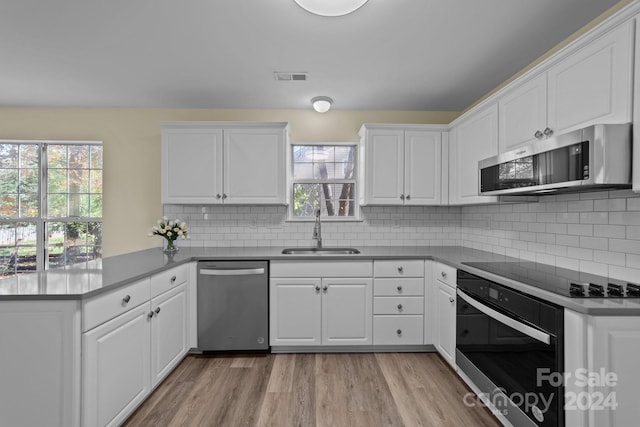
(317, 229)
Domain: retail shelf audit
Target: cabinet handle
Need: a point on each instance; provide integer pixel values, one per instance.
(399, 332)
(173, 279)
(443, 274)
(325, 288)
(538, 134)
(451, 300)
(317, 288)
(126, 299)
(224, 196)
(408, 197)
(402, 197)
(218, 196)
(150, 315)
(399, 307)
(399, 288)
(548, 132)
(157, 310)
(400, 269)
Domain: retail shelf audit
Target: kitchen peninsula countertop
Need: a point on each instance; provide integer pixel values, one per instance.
(109, 273)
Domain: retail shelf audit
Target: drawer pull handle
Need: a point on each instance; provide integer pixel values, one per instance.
(451, 300)
(400, 269)
(157, 310)
(399, 288)
(126, 299)
(444, 275)
(325, 288)
(173, 279)
(150, 315)
(399, 332)
(399, 307)
(317, 288)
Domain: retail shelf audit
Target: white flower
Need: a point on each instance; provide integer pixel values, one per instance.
(165, 219)
(159, 222)
(169, 234)
(150, 234)
(155, 228)
(161, 231)
(180, 233)
(177, 221)
(183, 225)
(176, 229)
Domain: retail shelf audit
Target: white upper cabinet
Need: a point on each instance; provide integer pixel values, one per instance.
(471, 140)
(402, 165)
(636, 112)
(591, 85)
(214, 162)
(523, 113)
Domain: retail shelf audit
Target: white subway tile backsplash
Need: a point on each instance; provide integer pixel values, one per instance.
(580, 229)
(611, 231)
(580, 206)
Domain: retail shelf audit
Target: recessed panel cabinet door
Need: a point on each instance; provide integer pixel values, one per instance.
(422, 167)
(116, 368)
(295, 312)
(191, 165)
(385, 167)
(168, 332)
(347, 311)
(255, 167)
(593, 85)
(444, 323)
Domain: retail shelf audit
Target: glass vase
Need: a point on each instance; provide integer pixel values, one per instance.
(171, 248)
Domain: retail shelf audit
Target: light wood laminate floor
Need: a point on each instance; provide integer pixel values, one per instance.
(333, 390)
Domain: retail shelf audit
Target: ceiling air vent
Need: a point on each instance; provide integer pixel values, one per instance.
(286, 76)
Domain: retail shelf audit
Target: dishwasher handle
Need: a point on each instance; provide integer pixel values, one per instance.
(232, 272)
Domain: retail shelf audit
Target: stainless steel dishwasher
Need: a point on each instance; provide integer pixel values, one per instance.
(233, 305)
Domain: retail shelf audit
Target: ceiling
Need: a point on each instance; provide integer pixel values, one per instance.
(389, 55)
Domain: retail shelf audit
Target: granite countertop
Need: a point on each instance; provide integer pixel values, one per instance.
(112, 272)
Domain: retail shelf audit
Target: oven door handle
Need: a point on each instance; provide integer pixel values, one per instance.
(512, 323)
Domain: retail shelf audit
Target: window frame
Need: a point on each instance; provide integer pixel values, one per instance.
(291, 182)
(43, 219)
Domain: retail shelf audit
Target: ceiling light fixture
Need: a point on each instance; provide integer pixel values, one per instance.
(331, 7)
(321, 104)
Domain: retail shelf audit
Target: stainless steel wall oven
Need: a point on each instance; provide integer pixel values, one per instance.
(511, 345)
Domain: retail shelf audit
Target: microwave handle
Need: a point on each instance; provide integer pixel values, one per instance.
(512, 323)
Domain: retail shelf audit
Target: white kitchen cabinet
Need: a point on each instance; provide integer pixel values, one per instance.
(636, 111)
(591, 85)
(168, 332)
(141, 338)
(399, 302)
(224, 162)
(473, 139)
(116, 368)
(320, 303)
(444, 310)
(402, 164)
(600, 359)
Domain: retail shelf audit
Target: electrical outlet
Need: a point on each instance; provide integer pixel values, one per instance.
(395, 221)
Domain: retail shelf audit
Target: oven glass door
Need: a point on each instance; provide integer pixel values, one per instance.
(513, 354)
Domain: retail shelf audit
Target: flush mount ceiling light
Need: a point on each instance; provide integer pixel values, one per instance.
(331, 7)
(321, 103)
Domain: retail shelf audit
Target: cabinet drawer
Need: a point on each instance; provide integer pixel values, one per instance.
(399, 268)
(413, 286)
(445, 274)
(319, 268)
(398, 330)
(106, 306)
(168, 279)
(398, 305)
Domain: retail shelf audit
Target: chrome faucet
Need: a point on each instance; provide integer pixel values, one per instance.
(317, 229)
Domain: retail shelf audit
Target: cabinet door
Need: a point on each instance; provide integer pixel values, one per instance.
(593, 85)
(472, 140)
(523, 112)
(191, 165)
(254, 166)
(168, 332)
(422, 168)
(295, 310)
(445, 322)
(347, 311)
(116, 368)
(384, 169)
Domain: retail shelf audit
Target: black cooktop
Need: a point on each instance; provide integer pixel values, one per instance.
(562, 281)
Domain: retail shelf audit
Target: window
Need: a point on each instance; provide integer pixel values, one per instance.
(50, 205)
(324, 176)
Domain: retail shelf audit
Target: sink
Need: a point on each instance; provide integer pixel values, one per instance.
(320, 251)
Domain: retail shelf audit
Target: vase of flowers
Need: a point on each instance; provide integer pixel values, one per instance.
(171, 230)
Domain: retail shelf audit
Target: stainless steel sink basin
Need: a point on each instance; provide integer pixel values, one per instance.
(320, 251)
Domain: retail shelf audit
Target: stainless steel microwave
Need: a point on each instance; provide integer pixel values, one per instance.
(594, 158)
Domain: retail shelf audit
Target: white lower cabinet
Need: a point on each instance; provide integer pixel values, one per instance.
(116, 368)
(444, 309)
(317, 310)
(126, 356)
